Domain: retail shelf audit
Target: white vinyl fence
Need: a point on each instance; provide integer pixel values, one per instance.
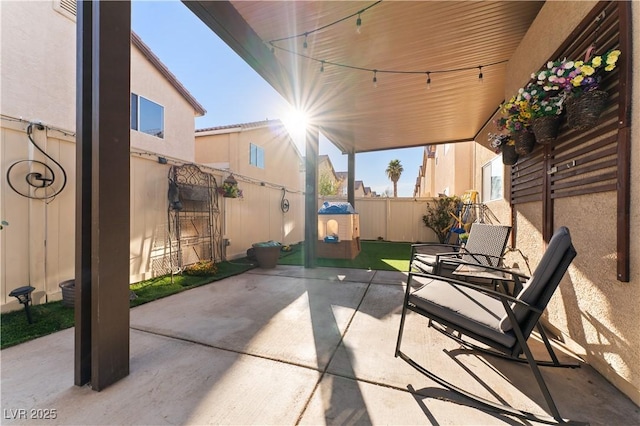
(38, 246)
(391, 219)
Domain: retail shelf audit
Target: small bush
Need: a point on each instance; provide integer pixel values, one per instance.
(202, 268)
(438, 217)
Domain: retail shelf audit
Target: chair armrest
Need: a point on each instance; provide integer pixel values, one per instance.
(433, 248)
(512, 272)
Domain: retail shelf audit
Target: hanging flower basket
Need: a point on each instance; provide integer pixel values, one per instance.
(546, 128)
(509, 155)
(229, 188)
(584, 111)
(525, 140)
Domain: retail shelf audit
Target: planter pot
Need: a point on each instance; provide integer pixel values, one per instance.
(584, 111)
(267, 254)
(68, 293)
(545, 128)
(525, 142)
(509, 155)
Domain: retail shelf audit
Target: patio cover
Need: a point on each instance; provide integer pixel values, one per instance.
(406, 42)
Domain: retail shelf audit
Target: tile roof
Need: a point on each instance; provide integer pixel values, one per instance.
(242, 126)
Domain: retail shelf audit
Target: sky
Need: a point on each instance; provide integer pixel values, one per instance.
(232, 92)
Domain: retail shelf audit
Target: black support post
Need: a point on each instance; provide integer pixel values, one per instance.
(102, 192)
(311, 197)
(351, 178)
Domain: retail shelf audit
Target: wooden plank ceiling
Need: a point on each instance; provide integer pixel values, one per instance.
(412, 38)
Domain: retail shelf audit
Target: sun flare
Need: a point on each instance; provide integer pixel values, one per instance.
(296, 121)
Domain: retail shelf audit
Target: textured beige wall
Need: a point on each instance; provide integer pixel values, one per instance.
(456, 157)
(279, 154)
(555, 21)
(179, 121)
(595, 313)
(37, 70)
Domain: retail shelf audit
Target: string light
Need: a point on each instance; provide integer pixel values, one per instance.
(358, 23)
(375, 71)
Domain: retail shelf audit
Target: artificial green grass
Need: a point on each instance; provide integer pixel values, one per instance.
(47, 318)
(51, 317)
(375, 255)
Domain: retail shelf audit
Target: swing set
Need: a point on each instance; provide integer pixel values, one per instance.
(468, 212)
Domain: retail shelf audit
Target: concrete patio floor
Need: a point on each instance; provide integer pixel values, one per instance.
(290, 346)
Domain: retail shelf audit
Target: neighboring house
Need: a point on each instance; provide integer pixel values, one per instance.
(162, 109)
(265, 161)
(446, 169)
(426, 171)
(38, 84)
(359, 190)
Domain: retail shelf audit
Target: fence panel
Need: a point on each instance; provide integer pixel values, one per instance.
(393, 219)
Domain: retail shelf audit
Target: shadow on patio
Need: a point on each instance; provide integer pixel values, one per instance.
(288, 346)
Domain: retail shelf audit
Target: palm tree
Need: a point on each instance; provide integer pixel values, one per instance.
(394, 170)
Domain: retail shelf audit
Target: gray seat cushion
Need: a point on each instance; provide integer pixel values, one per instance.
(424, 262)
(471, 309)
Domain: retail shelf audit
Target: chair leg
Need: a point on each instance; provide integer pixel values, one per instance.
(532, 364)
(401, 330)
(489, 405)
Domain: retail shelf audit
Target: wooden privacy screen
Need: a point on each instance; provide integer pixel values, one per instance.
(595, 160)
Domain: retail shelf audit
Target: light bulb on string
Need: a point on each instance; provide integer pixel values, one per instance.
(428, 80)
(358, 24)
(305, 45)
(480, 76)
(322, 66)
(375, 78)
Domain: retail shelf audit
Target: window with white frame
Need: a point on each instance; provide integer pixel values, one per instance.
(147, 116)
(256, 156)
(493, 180)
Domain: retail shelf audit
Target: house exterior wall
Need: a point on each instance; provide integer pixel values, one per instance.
(282, 169)
(282, 161)
(595, 314)
(37, 70)
(179, 125)
(451, 169)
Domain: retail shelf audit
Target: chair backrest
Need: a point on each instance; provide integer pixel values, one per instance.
(537, 291)
(485, 239)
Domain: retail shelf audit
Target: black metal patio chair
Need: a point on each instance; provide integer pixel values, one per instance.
(497, 323)
(485, 246)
